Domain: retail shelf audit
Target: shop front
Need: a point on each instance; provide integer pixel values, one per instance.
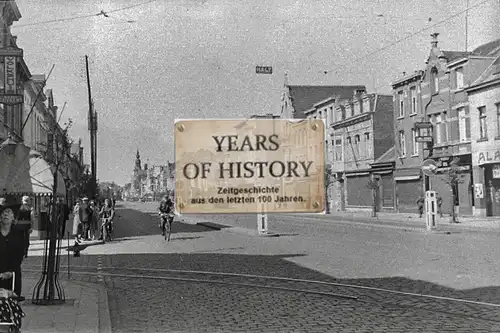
(358, 193)
(384, 174)
(24, 172)
(408, 189)
(441, 183)
(487, 182)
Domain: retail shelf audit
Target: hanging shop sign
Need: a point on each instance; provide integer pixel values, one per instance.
(9, 92)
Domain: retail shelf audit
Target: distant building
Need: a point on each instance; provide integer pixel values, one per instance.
(437, 96)
(151, 181)
(362, 133)
(319, 102)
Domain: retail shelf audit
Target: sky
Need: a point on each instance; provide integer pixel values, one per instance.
(179, 59)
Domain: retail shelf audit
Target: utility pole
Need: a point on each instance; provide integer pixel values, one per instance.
(467, 26)
(91, 129)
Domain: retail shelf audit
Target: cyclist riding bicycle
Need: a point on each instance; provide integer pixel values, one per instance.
(107, 212)
(166, 207)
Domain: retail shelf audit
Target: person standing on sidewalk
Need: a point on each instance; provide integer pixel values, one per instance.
(439, 202)
(420, 205)
(93, 220)
(85, 213)
(25, 217)
(77, 224)
(12, 251)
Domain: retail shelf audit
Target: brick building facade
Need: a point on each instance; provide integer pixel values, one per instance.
(437, 95)
(484, 104)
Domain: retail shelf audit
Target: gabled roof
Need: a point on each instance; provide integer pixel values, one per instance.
(454, 55)
(386, 157)
(490, 74)
(489, 49)
(304, 97)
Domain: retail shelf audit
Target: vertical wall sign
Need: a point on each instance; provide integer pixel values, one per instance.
(10, 94)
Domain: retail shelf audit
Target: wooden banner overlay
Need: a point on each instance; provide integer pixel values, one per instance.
(250, 166)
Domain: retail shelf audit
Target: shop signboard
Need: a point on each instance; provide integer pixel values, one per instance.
(479, 191)
(9, 90)
(496, 172)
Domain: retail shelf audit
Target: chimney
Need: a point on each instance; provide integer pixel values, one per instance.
(434, 41)
(404, 73)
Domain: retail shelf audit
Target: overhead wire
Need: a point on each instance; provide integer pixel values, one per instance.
(383, 48)
(84, 16)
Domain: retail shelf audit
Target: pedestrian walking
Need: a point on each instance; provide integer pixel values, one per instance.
(12, 251)
(85, 213)
(66, 212)
(77, 224)
(93, 220)
(439, 202)
(25, 217)
(420, 205)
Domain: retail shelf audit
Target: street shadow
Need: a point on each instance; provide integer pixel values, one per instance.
(282, 266)
(140, 223)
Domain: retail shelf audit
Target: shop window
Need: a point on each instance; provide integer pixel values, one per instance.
(483, 131)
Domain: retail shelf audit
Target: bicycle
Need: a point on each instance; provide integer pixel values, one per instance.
(167, 226)
(107, 229)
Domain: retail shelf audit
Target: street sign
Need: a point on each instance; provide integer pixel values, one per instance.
(264, 69)
(429, 167)
(249, 166)
(11, 99)
(423, 138)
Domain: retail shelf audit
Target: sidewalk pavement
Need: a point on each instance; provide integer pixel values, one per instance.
(466, 222)
(85, 311)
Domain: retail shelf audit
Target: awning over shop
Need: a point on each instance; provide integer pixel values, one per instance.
(407, 174)
(407, 177)
(24, 171)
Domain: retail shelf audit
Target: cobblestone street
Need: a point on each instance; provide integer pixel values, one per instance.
(154, 286)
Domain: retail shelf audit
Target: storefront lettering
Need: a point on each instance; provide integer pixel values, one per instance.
(10, 75)
(488, 157)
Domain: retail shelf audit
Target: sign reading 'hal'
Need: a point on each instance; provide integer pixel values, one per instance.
(249, 166)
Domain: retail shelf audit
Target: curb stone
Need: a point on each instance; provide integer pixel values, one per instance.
(236, 230)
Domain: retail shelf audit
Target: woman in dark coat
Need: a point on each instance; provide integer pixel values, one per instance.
(11, 250)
